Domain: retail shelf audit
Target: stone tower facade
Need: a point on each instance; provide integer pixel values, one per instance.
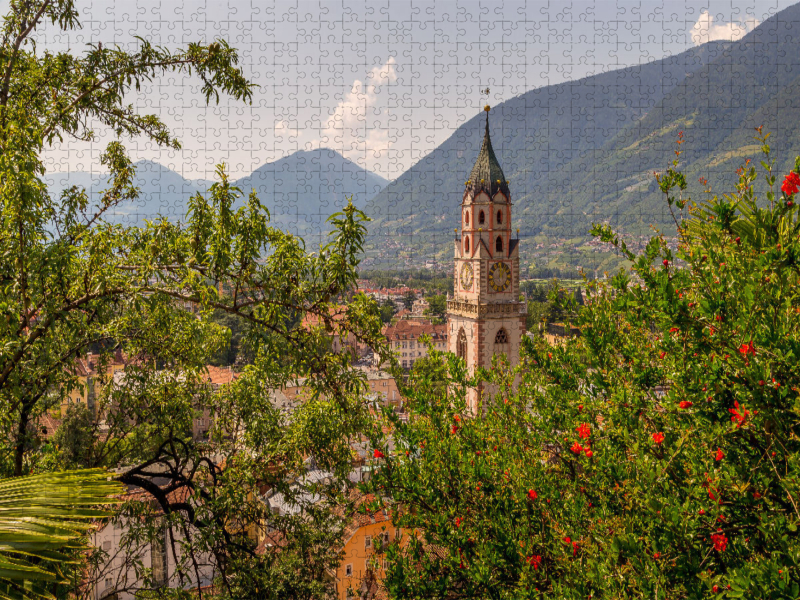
(485, 316)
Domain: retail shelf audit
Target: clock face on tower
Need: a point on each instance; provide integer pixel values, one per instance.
(499, 277)
(466, 276)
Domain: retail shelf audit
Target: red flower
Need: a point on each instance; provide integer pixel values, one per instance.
(378, 454)
(739, 414)
(720, 541)
(532, 495)
(589, 453)
(790, 184)
(456, 418)
(459, 521)
(580, 407)
(658, 438)
(701, 512)
(577, 448)
(747, 348)
(454, 429)
(719, 455)
(673, 330)
(567, 540)
(715, 589)
(685, 404)
(534, 561)
(665, 262)
(657, 555)
(584, 431)
(574, 548)
(662, 355)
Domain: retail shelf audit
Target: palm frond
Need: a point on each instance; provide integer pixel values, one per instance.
(43, 521)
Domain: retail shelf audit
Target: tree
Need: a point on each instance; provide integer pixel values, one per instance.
(408, 299)
(388, 308)
(41, 516)
(73, 282)
(656, 456)
(437, 308)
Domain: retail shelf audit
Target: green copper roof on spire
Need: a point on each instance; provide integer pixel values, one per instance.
(488, 168)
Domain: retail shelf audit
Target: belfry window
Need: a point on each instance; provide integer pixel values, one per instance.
(501, 343)
(481, 218)
(466, 218)
(466, 245)
(499, 217)
(499, 244)
(461, 346)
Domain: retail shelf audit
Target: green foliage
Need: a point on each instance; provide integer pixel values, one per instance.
(408, 299)
(172, 297)
(387, 309)
(437, 308)
(656, 456)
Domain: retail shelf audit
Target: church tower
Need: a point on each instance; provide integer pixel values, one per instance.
(485, 316)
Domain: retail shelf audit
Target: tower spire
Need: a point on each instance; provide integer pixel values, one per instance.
(487, 175)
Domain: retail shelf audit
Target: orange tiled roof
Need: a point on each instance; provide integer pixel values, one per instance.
(406, 329)
(220, 375)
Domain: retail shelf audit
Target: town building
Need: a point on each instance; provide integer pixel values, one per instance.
(485, 316)
(91, 373)
(405, 339)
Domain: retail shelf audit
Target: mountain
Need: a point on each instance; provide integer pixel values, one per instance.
(301, 190)
(585, 151)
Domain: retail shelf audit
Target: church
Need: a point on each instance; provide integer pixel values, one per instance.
(485, 315)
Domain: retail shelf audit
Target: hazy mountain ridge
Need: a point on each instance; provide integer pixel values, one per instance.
(301, 190)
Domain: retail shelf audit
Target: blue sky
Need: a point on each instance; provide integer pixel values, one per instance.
(383, 82)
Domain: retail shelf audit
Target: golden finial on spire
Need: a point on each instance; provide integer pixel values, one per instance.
(487, 108)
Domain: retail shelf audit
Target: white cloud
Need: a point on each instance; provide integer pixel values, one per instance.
(706, 29)
(284, 128)
(359, 125)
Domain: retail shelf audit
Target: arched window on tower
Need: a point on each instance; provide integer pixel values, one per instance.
(499, 217)
(466, 245)
(501, 343)
(481, 218)
(461, 344)
(466, 218)
(498, 245)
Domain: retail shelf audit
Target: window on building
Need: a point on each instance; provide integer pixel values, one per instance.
(348, 571)
(499, 217)
(404, 344)
(398, 533)
(461, 347)
(466, 218)
(499, 244)
(466, 245)
(481, 218)
(410, 344)
(397, 344)
(367, 541)
(404, 364)
(107, 545)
